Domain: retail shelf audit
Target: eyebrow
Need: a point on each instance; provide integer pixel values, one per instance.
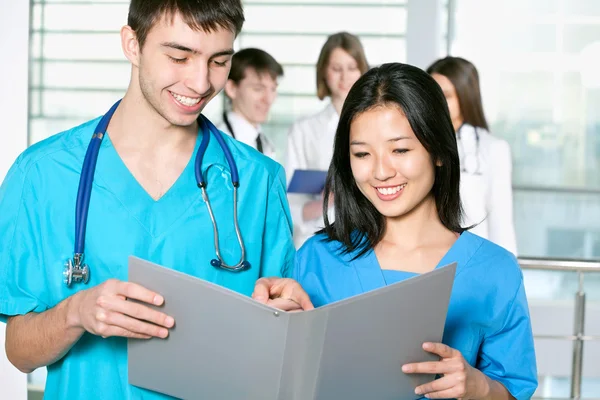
(396, 139)
(181, 47)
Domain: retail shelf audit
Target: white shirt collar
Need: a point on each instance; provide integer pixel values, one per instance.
(243, 130)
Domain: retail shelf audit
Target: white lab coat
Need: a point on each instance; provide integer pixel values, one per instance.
(246, 133)
(487, 197)
(310, 146)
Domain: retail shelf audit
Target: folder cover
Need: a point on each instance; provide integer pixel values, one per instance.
(307, 181)
(227, 346)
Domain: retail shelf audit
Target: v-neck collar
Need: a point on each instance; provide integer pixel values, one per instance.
(156, 216)
(371, 275)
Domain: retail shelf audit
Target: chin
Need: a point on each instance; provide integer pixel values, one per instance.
(183, 121)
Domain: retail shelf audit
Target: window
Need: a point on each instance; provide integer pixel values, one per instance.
(538, 63)
(78, 69)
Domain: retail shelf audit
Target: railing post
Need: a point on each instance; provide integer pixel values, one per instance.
(578, 343)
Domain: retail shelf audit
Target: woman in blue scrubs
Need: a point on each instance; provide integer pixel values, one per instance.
(395, 179)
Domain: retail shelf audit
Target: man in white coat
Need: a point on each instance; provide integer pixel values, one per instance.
(251, 89)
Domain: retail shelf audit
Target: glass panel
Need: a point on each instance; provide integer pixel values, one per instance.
(82, 46)
(87, 75)
(298, 79)
(592, 306)
(340, 3)
(287, 108)
(82, 1)
(561, 225)
(324, 19)
(582, 7)
(106, 17)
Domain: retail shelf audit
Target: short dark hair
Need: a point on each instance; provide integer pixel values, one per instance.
(465, 79)
(358, 225)
(257, 59)
(350, 44)
(206, 15)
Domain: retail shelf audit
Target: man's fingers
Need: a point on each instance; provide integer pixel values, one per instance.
(111, 331)
(135, 310)
(137, 292)
(430, 367)
(440, 349)
(267, 290)
(444, 383)
(262, 290)
(300, 297)
(291, 290)
(110, 320)
(284, 304)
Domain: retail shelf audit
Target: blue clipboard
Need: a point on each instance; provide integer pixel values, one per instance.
(307, 181)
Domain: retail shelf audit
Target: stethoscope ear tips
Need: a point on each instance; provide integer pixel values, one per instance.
(215, 263)
(245, 265)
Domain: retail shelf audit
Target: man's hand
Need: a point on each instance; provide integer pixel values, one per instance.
(282, 293)
(104, 311)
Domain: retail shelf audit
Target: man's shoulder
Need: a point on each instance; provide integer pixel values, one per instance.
(56, 145)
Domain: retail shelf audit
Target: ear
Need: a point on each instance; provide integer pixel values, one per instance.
(231, 89)
(439, 163)
(130, 45)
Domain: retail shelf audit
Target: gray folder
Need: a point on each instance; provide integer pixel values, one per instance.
(228, 346)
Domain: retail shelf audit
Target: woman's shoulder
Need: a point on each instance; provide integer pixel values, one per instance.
(493, 263)
(319, 244)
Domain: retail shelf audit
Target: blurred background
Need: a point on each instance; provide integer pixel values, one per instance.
(539, 64)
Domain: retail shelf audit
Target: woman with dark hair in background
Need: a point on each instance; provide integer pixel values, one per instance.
(486, 167)
(395, 177)
(310, 143)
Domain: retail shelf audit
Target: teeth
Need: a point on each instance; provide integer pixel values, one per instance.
(391, 190)
(186, 101)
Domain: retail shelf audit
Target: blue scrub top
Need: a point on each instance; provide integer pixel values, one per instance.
(37, 224)
(488, 316)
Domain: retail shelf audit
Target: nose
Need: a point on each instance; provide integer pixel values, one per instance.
(198, 79)
(384, 169)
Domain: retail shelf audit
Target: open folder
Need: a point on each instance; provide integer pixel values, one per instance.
(307, 181)
(227, 346)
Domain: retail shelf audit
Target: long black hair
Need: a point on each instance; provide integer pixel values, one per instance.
(358, 225)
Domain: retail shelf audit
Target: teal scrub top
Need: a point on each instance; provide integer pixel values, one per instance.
(37, 224)
(488, 316)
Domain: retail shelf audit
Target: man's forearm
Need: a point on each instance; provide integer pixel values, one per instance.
(36, 340)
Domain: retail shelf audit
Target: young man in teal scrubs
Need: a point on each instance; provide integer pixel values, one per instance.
(145, 202)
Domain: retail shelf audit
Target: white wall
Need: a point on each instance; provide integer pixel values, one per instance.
(14, 45)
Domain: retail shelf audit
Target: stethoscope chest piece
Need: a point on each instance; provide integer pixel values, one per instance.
(76, 271)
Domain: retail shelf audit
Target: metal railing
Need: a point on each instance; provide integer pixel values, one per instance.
(578, 338)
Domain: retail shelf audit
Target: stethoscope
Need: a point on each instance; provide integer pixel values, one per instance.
(76, 270)
(470, 159)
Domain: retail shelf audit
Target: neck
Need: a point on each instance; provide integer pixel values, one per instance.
(338, 103)
(457, 123)
(136, 124)
(417, 228)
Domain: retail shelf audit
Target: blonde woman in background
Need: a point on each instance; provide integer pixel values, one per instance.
(310, 143)
(486, 166)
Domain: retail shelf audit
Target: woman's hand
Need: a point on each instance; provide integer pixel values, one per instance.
(459, 381)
